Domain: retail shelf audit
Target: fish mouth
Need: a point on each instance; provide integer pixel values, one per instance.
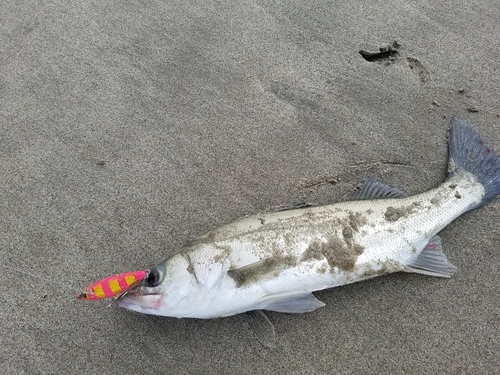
(146, 303)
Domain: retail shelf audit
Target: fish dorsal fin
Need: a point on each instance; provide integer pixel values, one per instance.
(432, 261)
(262, 327)
(295, 304)
(375, 188)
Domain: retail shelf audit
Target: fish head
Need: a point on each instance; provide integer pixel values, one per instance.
(170, 289)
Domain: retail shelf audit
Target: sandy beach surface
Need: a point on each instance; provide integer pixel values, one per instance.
(129, 128)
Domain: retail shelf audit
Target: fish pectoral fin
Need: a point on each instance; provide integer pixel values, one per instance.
(262, 327)
(375, 188)
(295, 304)
(432, 261)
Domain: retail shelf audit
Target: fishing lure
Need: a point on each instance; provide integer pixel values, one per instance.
(112, 286)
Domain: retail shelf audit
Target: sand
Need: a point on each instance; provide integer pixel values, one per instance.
(127, 129)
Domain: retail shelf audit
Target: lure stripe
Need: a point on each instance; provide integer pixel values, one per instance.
(130, 279)
(98, 292)
(112, 285)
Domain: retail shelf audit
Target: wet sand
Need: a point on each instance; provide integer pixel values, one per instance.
(128, 129)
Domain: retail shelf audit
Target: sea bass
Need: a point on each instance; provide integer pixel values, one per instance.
(274, 261)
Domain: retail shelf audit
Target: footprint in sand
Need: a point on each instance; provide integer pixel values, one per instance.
(390, 54)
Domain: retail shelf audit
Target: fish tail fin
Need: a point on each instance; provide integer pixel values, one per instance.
(470, 152)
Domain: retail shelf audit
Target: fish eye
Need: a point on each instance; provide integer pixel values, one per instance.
(155, 277)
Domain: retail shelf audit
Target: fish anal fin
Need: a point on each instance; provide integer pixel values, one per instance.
(432, 261)
(295, 304)
(262, 327)
(375, 188)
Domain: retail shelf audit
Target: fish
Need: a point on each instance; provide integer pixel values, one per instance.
(274, 261)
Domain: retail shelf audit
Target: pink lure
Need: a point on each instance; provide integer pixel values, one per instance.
(112, 286)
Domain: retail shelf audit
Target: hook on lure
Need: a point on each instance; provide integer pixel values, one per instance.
(112, 286)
